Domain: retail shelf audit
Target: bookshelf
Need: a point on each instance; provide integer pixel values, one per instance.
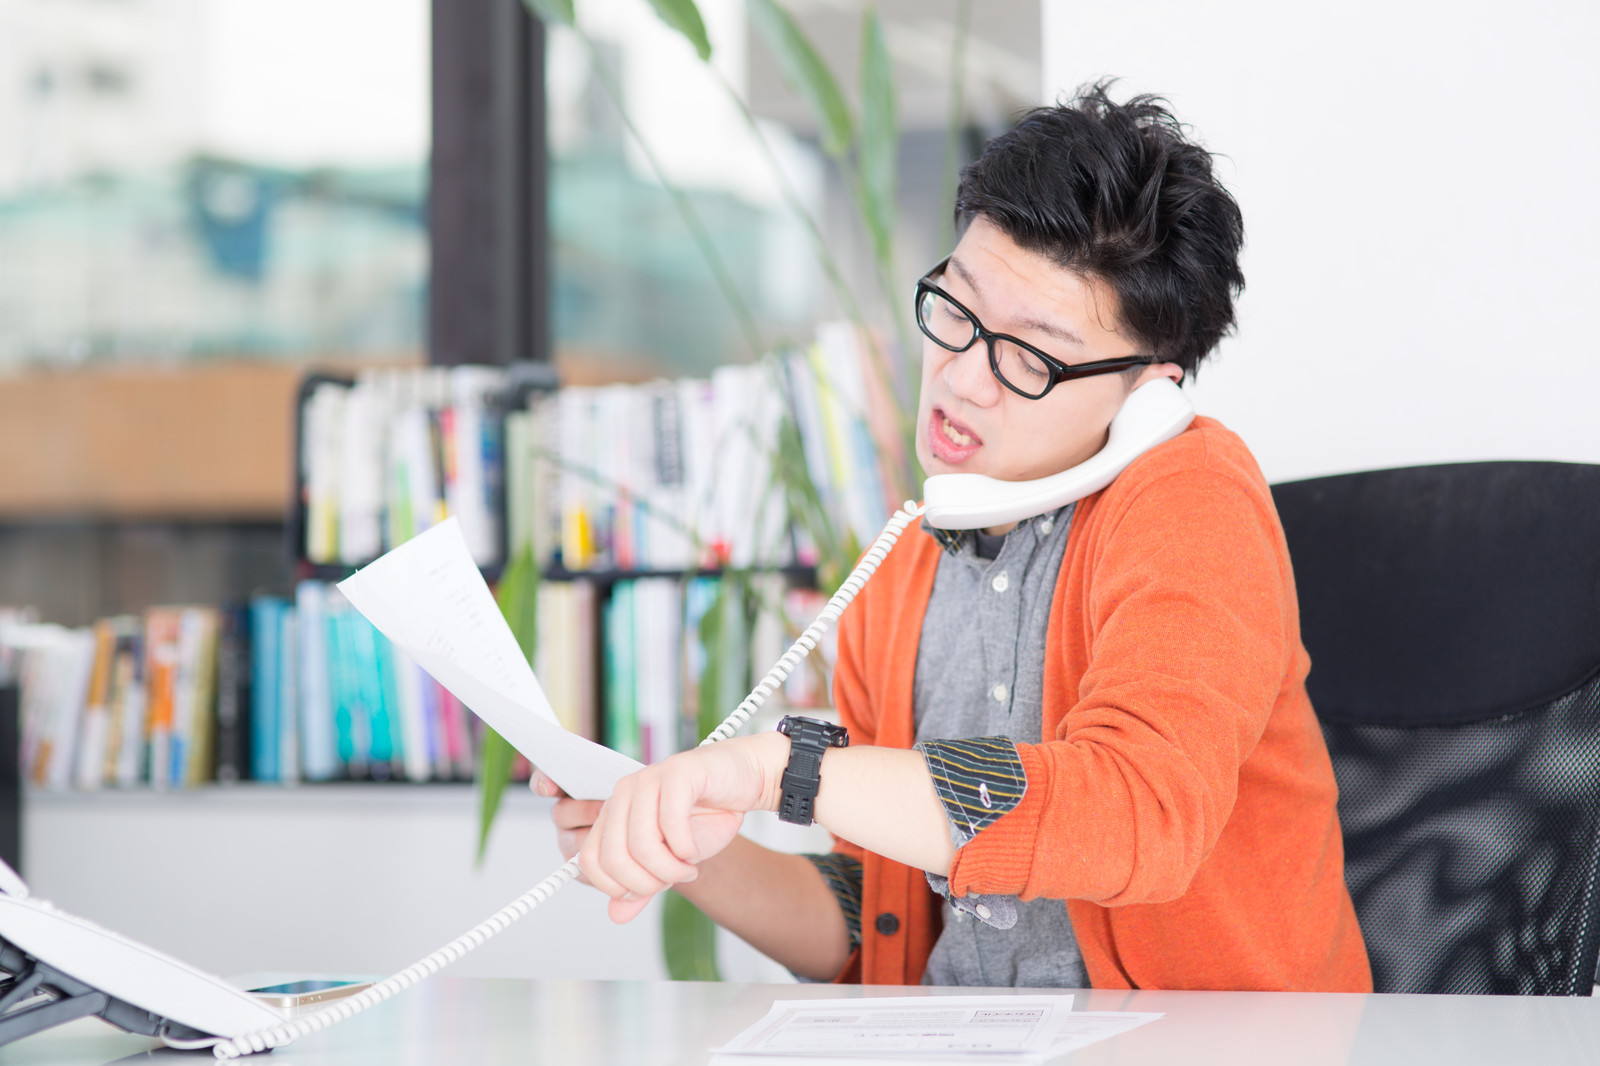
(323, 875)
(636, 501)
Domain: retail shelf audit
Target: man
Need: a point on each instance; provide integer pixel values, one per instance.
(1081, 751)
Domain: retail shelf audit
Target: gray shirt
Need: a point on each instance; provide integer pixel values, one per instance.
(980, 673)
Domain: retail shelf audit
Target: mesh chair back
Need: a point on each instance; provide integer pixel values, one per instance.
(1452, 614)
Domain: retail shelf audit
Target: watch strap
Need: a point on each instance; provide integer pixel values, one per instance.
(809, 740)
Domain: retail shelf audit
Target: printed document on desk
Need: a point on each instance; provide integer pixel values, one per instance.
(430, 599)
(1013, 1030)
(996, 1027)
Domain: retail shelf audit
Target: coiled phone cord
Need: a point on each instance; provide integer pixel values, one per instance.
(276, 1036)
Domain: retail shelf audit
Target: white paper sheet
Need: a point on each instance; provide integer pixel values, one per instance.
(1082, 1028)
(429, 598)
(996, 1028)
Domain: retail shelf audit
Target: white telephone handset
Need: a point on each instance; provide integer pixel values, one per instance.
(1153, 413)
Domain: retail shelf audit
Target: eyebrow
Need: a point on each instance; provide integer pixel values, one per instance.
(1061, 333)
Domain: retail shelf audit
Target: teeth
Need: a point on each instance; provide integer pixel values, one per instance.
(955, 434)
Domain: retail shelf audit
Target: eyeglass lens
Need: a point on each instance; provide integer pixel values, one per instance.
(956, 330)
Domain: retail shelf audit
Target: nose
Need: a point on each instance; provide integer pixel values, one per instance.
(967, 375)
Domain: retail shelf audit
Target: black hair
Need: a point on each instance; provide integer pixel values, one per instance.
(1116, 192)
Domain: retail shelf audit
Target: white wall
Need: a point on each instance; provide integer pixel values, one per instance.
(357, 879)
(1418, 181)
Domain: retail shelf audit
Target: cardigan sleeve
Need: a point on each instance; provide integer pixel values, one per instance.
(1188, 616)
(851, 695)
(842, 873)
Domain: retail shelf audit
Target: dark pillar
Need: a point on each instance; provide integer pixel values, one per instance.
(10, 777)
(489, 294)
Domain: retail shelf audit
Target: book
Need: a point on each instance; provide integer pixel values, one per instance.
(130, 751)
(417, 741)
(622, 712)
(319, 755)
(57, 663)
(194, 696)
(266, 677)
(231, 748)
(321, 454)
(162, 626)
(95, 730)
(288, 714)
(361, 472)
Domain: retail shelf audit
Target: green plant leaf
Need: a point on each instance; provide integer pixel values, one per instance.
(879, 134)
(688, 937)
(557, 11)
(684, 17)
(724, 634)
(518, 599)
(688, 941)
(494, 773)
(805, 73)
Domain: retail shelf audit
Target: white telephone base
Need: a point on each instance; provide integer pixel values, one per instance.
(55, 968)
(1153, 414)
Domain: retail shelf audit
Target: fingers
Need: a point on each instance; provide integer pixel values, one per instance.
(628, 829)
(543, 786)
(575, 814)
(625, 910)
(647, 844)
(603, 857)
(677, 801)
(657, 824)
(624, 853)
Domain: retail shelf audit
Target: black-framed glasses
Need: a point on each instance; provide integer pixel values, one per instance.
(1017, 365)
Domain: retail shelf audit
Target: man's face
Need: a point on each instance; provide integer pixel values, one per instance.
(967, 421)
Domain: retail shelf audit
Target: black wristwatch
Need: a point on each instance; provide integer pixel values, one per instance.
(808, 740)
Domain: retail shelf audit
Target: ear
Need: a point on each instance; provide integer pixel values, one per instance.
(1171, 371)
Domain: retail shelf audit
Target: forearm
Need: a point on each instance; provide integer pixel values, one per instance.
(883, 800)
(777, 903)
(879, 798)
(675, 824)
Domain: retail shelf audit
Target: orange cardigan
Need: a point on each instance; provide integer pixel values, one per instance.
(1182, 804)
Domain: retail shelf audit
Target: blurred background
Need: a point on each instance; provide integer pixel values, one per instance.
(204, 201)
(215, 196)
(201, 201)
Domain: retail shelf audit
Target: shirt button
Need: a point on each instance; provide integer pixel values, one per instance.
(1000, 583)
(888, 924)
(983, 911)
(1047, 525)
(1000, 692)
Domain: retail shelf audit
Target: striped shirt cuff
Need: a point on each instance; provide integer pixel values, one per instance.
(978, 780)
(843, 875)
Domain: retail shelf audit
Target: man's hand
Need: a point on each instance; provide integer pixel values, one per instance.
(572, 817)
(664, 820)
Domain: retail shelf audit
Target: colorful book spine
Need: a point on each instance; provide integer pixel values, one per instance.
(95, 731)
(391, 720)
(266, 676)
(319, 755)
(288, 695)
(132, 707)
(161, 676)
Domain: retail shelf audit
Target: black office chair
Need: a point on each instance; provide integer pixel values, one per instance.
(1452, 614)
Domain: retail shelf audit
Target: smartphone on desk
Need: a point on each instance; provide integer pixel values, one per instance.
(293, 995)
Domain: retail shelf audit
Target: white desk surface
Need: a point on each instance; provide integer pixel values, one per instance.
(620, 1023)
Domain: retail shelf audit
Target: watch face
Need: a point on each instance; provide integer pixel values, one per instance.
(810, 730)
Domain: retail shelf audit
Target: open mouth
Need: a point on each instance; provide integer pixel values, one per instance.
(952, 431)
(948, 439)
